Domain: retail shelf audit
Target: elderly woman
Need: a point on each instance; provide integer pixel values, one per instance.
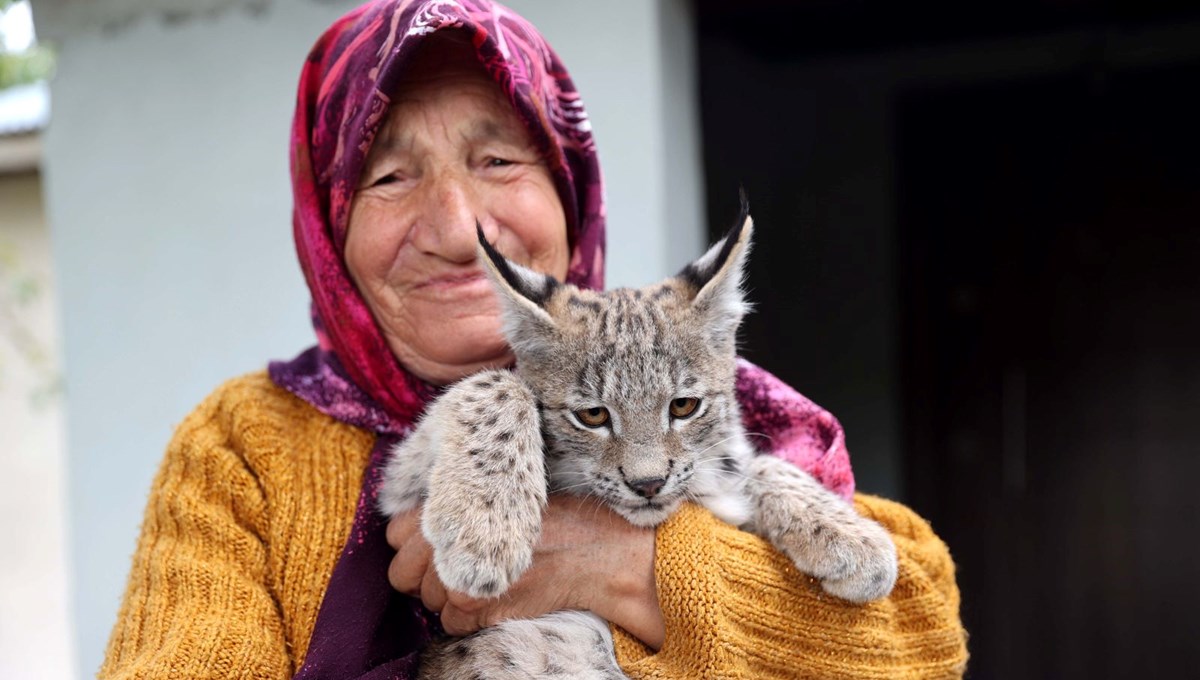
(262, 554)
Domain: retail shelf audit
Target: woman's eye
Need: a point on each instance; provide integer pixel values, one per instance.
(593, 417)
(684, 407)
(498, 162)
(386, 179)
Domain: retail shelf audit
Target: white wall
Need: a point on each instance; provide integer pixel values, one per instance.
(633, 62)
(35, 641)
(167, 191)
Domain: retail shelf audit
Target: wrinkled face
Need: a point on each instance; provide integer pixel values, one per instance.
(636, 386)
(451, 152)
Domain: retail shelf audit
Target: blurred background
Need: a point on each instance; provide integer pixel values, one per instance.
(978, 245)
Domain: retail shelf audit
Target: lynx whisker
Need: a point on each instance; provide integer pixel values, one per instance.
(712, 458)
(730, 438)
(734, 473)
(571, 486)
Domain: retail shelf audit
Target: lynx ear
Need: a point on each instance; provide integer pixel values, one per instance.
(716, 278)
(523, 294)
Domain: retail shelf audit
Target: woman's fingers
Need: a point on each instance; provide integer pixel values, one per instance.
(408, 567)
(411, 570)
(403, 527)
(464, 615)
(588, 557)
(414, 556)
(433, 593)
(458, 623)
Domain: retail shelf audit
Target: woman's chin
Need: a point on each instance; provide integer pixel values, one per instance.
(455, 359)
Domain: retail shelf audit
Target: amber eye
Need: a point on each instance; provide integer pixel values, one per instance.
(684, 407)
(593, 417)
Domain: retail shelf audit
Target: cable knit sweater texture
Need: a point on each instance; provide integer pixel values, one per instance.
(251, 507)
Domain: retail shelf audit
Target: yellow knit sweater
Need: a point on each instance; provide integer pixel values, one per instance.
(252, 504)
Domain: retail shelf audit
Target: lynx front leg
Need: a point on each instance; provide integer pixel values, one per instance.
(487, 485)
(853, 557)
(406, 475)
(574, 645)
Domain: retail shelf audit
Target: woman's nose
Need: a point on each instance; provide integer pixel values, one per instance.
(450, 209)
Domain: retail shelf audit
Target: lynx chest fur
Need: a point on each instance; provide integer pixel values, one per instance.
(626, 396)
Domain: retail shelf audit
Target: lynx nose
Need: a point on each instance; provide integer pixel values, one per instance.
(647, 488)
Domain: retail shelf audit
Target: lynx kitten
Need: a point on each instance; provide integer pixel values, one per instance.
(628, 396)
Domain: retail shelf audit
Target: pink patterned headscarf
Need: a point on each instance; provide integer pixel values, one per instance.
(364, 629)
(346, 87)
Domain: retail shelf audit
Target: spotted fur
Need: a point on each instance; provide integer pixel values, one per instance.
(490, 449)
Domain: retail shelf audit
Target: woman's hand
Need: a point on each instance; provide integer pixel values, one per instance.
(588, 558)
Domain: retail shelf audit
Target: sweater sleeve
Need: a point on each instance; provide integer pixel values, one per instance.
(734, 607)
(197, 604)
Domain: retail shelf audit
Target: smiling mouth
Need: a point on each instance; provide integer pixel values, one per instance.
(452, 280)
(454, 288)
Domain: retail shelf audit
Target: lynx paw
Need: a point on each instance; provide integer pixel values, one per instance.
(861, 560)
(483, 542)
(487, 488)
(481, 559)
(852, 556)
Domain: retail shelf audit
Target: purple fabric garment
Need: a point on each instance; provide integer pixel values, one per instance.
(367, 630)
(316, 375)
(782, 422)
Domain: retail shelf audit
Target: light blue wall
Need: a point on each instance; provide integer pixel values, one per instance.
(167, 194)
(634, 63)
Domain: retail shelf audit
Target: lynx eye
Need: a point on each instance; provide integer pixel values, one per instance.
(592, 417)
(684, 407)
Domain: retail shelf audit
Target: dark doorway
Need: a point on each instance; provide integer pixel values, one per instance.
(1050, 236)
(979, 246)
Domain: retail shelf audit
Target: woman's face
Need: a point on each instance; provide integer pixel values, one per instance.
(451, 152)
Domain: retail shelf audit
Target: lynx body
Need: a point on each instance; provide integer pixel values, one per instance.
(627, 396)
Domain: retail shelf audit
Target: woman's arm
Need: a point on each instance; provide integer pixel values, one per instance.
(733, 606)
(704, 599)
(197, 604)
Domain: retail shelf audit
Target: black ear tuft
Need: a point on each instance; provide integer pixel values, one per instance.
(699, 273)
(537, 293)
(534, 287)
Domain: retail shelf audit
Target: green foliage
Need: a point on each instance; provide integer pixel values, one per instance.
(30, 66)
(19, 290)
